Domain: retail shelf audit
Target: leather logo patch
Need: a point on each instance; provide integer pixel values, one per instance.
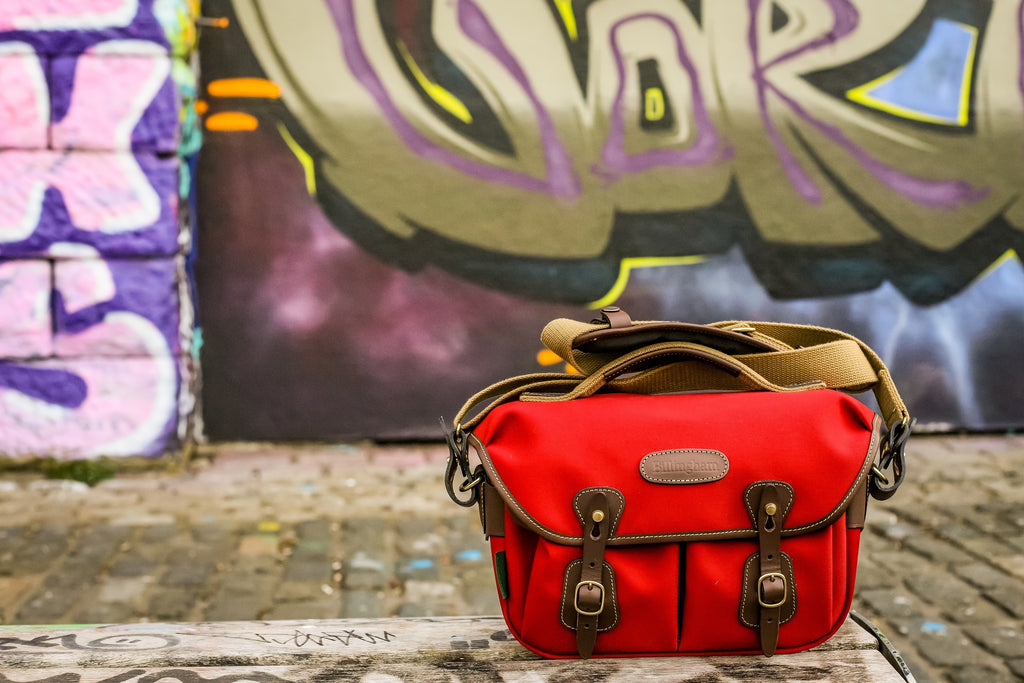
(684, 466)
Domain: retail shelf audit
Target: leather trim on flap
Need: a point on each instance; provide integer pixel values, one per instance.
(616, 504)
(519, 513)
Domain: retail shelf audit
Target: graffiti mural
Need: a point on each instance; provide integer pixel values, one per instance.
(95, 311)
(855, 161)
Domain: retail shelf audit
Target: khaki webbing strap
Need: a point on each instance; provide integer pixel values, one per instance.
(808, 336)
(808, 358)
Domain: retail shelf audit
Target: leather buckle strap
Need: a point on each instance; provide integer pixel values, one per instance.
(589, 597)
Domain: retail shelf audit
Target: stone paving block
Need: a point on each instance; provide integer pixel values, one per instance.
(1007, 641)
(171, 604)
(49, 605)
(13, 590)
(158, 533)
(316, 569)
(360, 604)
(364, 571)
(103, 613)
(936, 550)
(133, 564)
(950, 647)
(191, 574)
(40, 550)
(419, 569)
(1009, 595)
(980, 574)
(981, 674)
(323, 608)
(890, 603)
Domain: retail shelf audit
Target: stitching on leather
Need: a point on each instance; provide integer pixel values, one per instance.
(750, 503)
(614, 595)
(791, 578)
(715, 477)
(601, 489)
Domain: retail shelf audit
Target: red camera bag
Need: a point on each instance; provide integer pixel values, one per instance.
(692, 490)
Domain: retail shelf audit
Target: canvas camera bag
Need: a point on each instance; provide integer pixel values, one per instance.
(691, 490)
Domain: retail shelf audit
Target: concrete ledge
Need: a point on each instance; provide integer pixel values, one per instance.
(382, 650)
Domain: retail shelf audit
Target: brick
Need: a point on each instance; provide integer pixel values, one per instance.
(25, 322)
(146, 292)
(103, 613)
(122, 407)
(121, 101)
(118, 204)
(23, 84)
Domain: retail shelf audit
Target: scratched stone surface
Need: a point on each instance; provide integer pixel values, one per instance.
(351, 531)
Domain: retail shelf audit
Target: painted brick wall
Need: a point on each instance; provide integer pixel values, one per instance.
(97, 139)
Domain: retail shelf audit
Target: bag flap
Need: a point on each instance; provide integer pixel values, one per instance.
(680, 463)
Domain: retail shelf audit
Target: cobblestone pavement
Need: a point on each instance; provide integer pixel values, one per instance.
(258, 531)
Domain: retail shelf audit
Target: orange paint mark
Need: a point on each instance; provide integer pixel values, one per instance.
(214, 22)
(244, 87)
(231, 120)
(571, 370)
(201, 106)
(548, 357)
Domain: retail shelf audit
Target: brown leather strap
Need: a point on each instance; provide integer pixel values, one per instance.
(772, 589)
(590, 593)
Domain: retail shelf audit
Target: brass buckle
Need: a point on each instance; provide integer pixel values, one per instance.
(760, 590)
(576, 598)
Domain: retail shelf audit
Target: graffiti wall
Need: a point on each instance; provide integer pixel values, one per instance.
(96, 138)
(399, 193)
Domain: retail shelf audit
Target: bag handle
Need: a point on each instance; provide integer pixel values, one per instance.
(715, 370)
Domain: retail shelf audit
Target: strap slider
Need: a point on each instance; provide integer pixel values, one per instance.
(589, 585)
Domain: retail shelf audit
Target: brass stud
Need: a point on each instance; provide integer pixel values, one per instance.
(770, 509)
(598, 516)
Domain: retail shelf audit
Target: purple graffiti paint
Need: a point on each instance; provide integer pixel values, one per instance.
(940, 194)
(561, 181)
(796, 174)
(58, 387)
(705, 147)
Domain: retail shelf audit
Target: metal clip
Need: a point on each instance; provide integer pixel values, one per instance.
(576, 600)
(760, 589)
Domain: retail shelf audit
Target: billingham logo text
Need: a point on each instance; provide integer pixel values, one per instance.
(684, 466)
(689, 467)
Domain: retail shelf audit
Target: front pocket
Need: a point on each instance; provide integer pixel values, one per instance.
(644, 618)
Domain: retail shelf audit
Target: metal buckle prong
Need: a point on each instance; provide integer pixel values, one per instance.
(576, 598)
(760, 589)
